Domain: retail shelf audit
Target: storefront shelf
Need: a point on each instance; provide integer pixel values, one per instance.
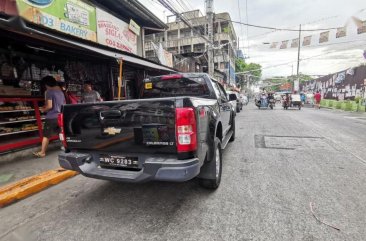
(10, 111)
(16, 132)
(18, 121)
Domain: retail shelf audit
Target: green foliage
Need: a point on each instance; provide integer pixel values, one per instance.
(241, 66)
(303, 77)
(227, 29)
(358, 99)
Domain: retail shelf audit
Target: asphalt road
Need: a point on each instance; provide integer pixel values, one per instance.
(280, 162)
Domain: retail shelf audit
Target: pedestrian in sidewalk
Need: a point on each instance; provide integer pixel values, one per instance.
(317, 98)
(54, 99)
(89, 95)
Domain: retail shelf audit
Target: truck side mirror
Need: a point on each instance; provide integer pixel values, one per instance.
(232, 97)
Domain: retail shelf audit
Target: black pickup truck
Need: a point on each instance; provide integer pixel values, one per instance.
(175, 131)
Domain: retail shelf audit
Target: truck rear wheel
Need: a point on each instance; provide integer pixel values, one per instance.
(217, 159)
(232, 138)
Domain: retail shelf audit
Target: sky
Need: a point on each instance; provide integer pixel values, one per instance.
(316, 59)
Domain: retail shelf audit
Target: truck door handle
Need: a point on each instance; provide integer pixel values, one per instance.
(110, 114)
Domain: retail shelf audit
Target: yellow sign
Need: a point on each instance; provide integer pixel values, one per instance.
(148, 86)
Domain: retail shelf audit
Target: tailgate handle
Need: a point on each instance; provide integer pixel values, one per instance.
(110, 114)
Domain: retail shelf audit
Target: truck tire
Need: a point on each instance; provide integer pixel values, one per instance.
(233, 129)
(217, 158)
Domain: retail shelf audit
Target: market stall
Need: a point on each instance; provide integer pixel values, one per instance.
(23, 63)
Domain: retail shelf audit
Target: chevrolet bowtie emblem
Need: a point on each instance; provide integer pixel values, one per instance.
(112, 131)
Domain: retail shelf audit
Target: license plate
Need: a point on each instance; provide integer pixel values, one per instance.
(118, 161)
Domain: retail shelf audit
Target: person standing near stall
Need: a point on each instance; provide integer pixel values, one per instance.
(54, 99)
(89, 95)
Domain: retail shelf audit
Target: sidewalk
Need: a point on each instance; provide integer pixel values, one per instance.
(17, 169)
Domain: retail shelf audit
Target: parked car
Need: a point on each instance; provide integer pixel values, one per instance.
(237, 104)
(176, 131)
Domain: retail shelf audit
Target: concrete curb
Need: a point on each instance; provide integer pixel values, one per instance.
(31, 185)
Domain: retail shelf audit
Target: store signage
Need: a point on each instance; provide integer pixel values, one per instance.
(115, 33)
(134, 27)
(72, 17)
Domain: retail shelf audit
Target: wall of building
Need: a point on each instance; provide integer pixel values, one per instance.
(180, 39)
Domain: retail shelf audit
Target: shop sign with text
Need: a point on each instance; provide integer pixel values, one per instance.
(115, 33)
(72, 17)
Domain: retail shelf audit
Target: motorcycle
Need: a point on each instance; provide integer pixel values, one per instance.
(272, 103)
(262, 102)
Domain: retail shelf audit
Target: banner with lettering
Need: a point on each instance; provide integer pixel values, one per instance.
(72, 17)
(295, 43)
(324, 37)
(361, 28)
(115, 33)
(341, 32)
(307, 41)
(284, 44)
(274, 45)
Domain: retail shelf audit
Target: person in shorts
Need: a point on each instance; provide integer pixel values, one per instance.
(54, 99)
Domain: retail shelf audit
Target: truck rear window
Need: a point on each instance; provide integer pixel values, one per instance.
(159, 87)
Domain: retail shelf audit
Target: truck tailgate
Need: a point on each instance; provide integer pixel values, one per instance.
(133, 126)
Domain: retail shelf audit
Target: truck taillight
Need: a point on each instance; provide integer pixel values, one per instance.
(60, 119)
(186, 129)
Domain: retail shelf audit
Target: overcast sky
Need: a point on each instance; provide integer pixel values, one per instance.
(318, 59)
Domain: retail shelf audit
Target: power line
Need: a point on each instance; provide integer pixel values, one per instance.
(279, 29)
(312, 22)
(287, 63)
(318, 45)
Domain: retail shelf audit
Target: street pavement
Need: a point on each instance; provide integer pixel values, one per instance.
(280, 162)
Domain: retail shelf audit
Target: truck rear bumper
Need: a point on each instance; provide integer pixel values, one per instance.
(153, 168)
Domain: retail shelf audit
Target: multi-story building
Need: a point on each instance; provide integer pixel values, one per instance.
(183, 41)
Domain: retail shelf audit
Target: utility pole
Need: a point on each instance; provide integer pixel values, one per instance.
(296, 85)
(210, 32)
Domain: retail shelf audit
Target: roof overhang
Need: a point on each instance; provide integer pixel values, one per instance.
(18, 25)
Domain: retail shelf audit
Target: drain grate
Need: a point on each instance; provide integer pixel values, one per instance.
(291, 142)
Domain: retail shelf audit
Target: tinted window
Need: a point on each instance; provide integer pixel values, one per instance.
(157, 87)
(222, 92)
(216, 88)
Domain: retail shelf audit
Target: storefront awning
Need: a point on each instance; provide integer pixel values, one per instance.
(109, 53)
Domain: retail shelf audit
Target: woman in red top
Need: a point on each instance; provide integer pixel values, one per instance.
(318, 98)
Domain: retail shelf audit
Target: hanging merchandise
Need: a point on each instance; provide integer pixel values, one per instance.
(45, 72)
(340, 78)
(350, 71)
(36, 72)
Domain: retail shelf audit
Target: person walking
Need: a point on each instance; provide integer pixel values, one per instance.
(54, 99)
(317, 98)
(89, 95)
